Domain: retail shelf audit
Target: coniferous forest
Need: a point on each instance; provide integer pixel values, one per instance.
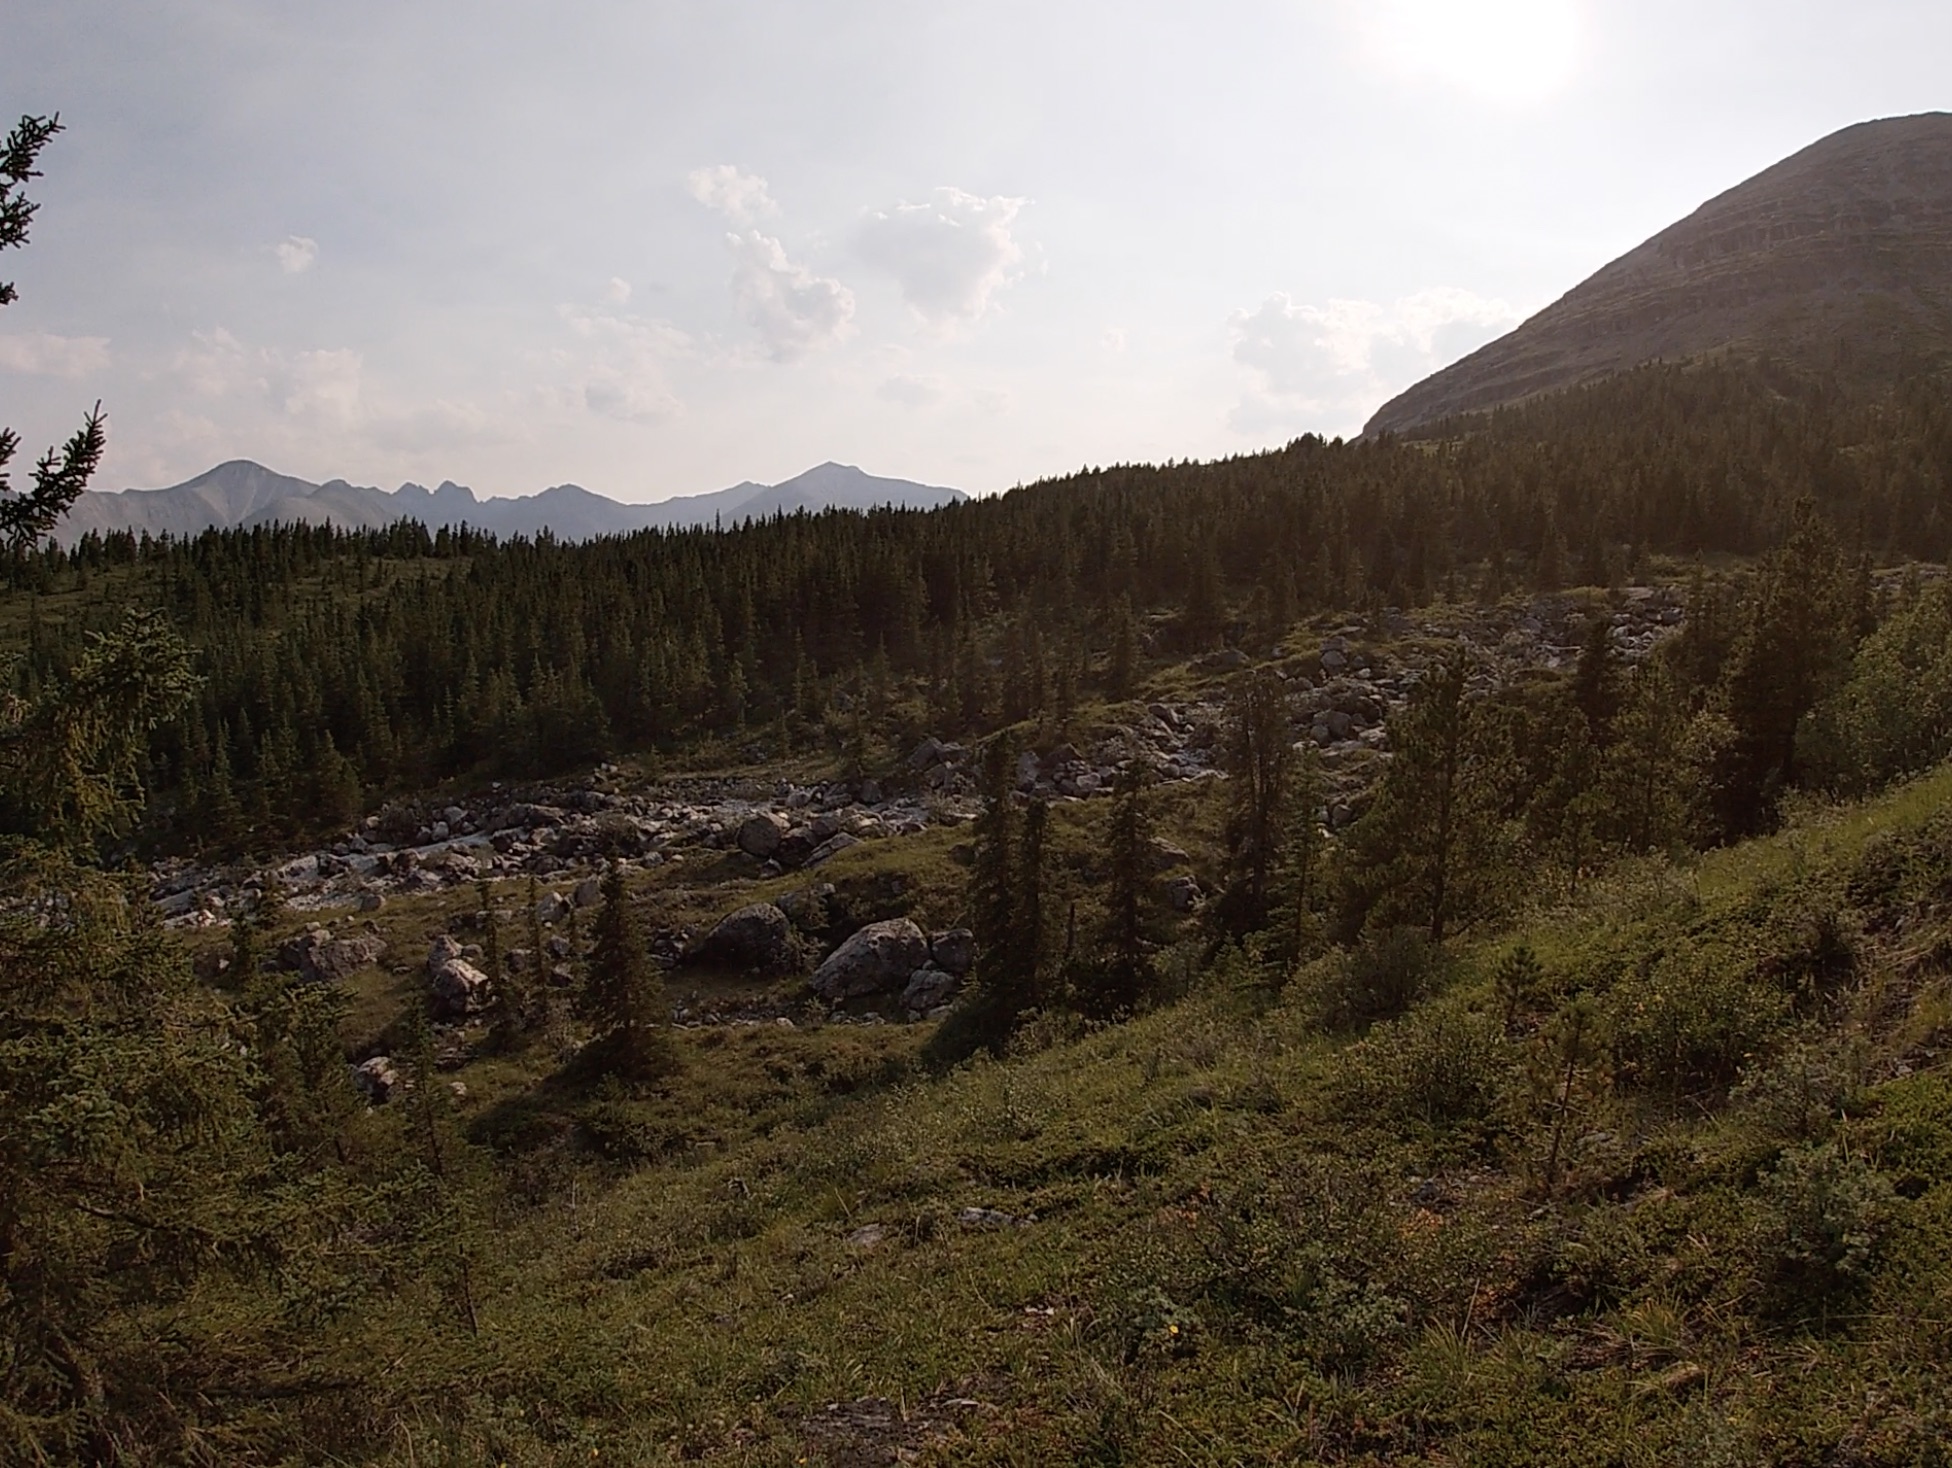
(337, 668)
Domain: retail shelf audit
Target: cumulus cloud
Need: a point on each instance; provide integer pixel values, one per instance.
(296, 254)
(1327, 367)
(325, 386)
(912, 391)
(950, 255)
(618, 291)
(794, 310)
(622, 368)
(43, 354)
(741, 197)
(316, 405)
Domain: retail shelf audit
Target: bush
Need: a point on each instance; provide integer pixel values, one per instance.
(1690, 1023)
(1378, 980)
(1439, 1068)
(1799, 1094)
(1829, 1216)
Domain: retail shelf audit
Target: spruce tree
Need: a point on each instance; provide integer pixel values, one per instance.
(1259, 766)
(623, 992)
(1430, 850)
(1124, 972)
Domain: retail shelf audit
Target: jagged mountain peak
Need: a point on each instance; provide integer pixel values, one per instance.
(242, 492)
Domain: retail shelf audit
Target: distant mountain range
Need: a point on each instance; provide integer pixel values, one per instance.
(242, 493)
(1839, 258)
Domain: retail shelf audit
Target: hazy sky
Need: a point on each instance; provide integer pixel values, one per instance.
(658, 246)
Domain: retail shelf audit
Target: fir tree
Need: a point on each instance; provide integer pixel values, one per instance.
(1430, 850)
(1121, 978)
(623, 993)
(1259, 765)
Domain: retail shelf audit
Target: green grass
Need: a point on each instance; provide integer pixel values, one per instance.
(1241, 1240)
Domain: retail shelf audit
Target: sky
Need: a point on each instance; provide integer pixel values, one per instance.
(659, 247)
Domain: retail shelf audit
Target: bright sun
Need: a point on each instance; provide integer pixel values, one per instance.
(1502, 50)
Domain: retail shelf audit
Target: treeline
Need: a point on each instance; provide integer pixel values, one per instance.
(338, 667)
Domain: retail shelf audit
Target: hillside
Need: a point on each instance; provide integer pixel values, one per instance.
(1838, 258)
(241, 494)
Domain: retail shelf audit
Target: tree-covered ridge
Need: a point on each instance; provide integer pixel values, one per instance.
(338, 666)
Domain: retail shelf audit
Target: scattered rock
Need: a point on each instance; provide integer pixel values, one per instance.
(929, 989)
(830, 848)
(319, 958)
(589, 892)
(376, 1079)
(954, 951)
(880, 957)
(1184, 894)
(760, 834)
(459, 989)
(758, 937)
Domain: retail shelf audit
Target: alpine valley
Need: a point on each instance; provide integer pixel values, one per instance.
(1433, 949)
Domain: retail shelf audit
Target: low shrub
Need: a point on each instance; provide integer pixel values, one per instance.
(1378, 980)
(1829, 1214)
(1689, 1023)
(1440, 1068)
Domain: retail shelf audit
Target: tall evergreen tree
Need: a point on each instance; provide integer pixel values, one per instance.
(1259, 765)
(623, 993)
(1430, 850)
(1123, 973)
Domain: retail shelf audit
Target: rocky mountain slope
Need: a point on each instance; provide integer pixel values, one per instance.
(242, 493)
(1839, 257)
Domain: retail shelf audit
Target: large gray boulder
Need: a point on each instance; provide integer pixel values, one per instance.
(757, 936)
(929, 988)
(459, 989)
(761, 833)
(954, 951)
(320, 958)
(880, 957)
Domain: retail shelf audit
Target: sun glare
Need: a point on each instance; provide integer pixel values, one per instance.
(1501, 50)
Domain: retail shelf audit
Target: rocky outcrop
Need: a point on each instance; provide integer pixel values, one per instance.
(1838, 257)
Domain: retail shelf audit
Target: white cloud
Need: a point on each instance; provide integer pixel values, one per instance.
(618, 291)
(314, 403)
(623, 370)
(740, 197)
(794, 310)
(43, 354)
(912, 391)
(296, 254)
(324, 385)
(950, 256)
(1328, 367)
